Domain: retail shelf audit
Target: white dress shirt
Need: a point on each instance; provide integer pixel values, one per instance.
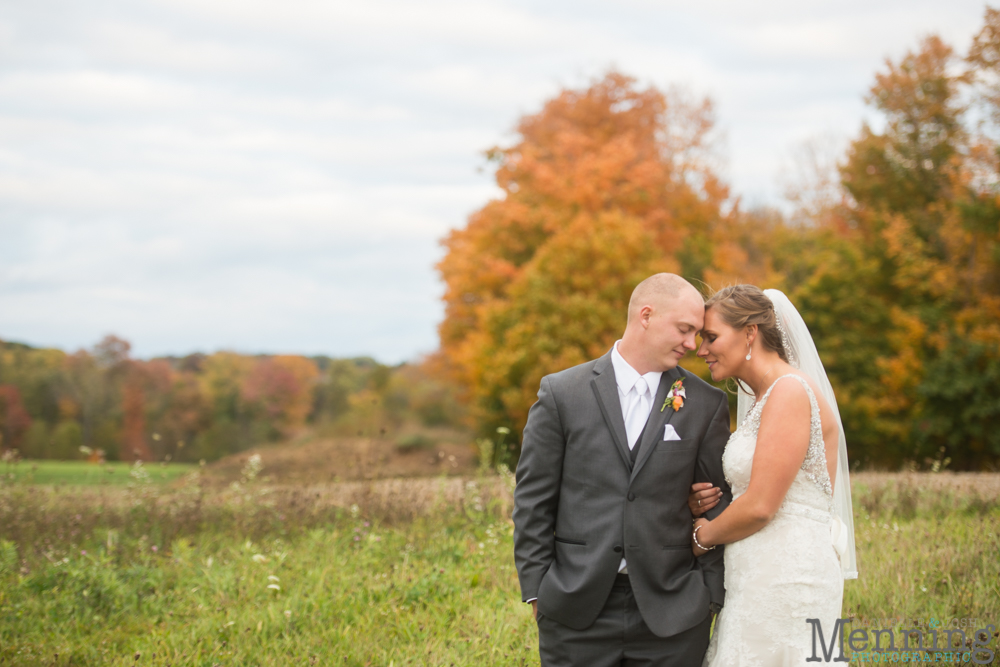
(636, 394)
(636, 405)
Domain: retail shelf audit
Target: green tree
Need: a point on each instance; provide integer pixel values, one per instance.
(67, 439)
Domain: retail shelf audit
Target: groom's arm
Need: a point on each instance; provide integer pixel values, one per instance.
(709, 469)
(536, 496)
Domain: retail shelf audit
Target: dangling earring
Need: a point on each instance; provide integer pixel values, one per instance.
(748, 350)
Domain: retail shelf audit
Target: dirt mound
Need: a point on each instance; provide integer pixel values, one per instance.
(313, 459)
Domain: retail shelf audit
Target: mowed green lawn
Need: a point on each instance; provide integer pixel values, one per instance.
(247, 576)
(83, 473)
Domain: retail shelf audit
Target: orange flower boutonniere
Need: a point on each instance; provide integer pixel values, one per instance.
(675, 397)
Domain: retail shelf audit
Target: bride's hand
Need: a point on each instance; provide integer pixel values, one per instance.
(703, 497)
(698, 551)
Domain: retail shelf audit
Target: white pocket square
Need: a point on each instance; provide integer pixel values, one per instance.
(670, 433)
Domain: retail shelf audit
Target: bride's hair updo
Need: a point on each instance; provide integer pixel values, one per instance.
(743, 305)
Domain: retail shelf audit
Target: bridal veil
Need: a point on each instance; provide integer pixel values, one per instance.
(802, 354)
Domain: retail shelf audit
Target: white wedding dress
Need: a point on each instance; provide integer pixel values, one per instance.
(788, 571)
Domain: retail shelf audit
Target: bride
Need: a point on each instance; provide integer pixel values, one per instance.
(789, 532)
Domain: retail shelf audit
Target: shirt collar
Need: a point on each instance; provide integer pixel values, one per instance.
(626, 376)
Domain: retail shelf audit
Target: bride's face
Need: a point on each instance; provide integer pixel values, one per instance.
(722, 347)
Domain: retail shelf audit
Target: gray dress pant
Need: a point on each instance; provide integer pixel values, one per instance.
(619, 637)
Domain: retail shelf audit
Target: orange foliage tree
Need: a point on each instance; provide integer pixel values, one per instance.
(603, 187)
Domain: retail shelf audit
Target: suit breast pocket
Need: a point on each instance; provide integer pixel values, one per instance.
(668, 446)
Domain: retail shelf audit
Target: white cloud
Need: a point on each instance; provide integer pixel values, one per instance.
(92, 89)
(385, 23)
(142, 45)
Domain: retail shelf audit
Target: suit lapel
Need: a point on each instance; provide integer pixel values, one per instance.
(606, 389)
(653, 433)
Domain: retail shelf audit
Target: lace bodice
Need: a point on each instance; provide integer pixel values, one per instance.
(812, 487)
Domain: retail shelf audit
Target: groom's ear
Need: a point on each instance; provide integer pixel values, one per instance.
(644, 314)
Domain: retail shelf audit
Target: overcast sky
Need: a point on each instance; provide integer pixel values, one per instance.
(196, 175)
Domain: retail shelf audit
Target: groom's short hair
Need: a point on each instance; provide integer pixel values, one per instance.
(657, 288)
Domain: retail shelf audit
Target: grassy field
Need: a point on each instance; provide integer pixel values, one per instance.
(82, 473)
(415, 572)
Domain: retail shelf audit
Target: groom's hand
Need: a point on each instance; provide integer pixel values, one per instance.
(534, 608)
(703, 497)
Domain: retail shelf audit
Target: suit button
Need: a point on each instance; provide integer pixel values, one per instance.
(617, 549)
(631, 497)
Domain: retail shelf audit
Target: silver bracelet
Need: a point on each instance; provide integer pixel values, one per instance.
(694, 536)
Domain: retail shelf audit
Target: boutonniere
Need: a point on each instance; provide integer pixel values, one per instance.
(675, 397)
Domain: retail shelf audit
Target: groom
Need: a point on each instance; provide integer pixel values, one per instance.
(602, 530)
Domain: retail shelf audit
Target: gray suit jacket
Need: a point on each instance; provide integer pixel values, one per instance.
(579, 504)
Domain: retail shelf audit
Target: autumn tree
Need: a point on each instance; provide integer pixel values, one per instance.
(340, 379)
(222, 375)
(603, 187)
(90, 394)
(36, 374)
(280, 389)
(918, 249)
(135, 440)
(14, 419)
(183, 413)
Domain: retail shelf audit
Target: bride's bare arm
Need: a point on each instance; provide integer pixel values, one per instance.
(782, 442)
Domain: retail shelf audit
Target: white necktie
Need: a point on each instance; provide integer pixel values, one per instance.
(638, 411)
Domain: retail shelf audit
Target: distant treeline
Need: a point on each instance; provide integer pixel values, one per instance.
(102, 403)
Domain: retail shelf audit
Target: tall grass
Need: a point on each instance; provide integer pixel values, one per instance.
(412, 572)
(384, 573)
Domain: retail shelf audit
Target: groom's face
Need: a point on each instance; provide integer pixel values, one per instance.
(673, 327)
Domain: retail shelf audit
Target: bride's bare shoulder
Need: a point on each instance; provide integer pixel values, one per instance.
(786, 399)
(791, 401)
(824, 407)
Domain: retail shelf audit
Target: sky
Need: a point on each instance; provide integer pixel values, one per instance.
(276, 177)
